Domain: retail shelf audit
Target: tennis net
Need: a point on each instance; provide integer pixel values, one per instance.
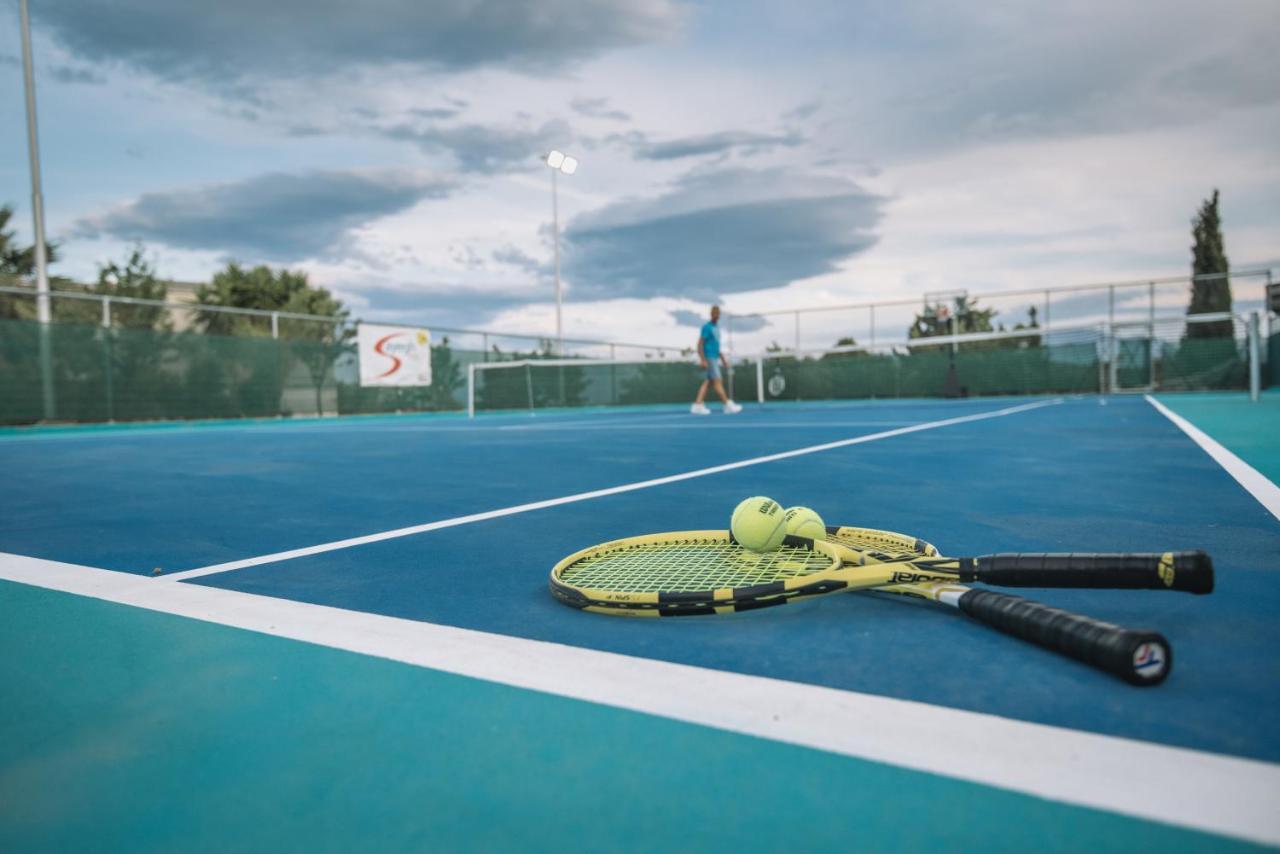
(1182, 353)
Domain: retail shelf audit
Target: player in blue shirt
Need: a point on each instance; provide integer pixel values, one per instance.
(712, 360)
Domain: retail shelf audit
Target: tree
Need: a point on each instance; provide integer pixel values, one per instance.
(1209, 257)
(259, 288)
(1032, 323)
(136, 360)
(324, 341)
(847, 341)
(136, 279)
(315, 343)
(963, 318)
(16, 261)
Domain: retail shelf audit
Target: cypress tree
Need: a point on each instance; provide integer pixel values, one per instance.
(1208, 256)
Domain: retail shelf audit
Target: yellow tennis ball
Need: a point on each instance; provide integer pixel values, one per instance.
(757, 524)
(804, 522)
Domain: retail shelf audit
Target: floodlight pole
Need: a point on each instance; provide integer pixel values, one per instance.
(555, 231)
(33, 149)
(43, 313)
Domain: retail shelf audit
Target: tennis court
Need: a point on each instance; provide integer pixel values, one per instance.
(336, 633)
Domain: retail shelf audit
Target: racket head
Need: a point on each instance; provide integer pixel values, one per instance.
(692, 572)
(873, 539)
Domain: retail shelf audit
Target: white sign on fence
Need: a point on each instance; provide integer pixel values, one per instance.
(393, 355)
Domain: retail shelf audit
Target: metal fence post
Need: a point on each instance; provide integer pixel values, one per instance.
(873, 326)
(1151, 335)
(471, 389)
(1255, 358)
(797, 331)
(1046, 308)
(760, 378)
(106, 312)
(1113, 379)
(275, 325)
(1102, 353)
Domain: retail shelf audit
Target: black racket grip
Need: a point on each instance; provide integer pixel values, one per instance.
(1138, 657)
(1191, 572)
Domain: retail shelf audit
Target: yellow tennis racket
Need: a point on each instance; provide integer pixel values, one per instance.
(690, 573)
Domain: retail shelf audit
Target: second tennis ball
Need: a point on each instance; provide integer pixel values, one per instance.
(757, 524)
(803, 522)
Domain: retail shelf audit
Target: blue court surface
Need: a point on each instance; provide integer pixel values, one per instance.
(336, 635)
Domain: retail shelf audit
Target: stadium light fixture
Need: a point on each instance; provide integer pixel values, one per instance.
(559, 162)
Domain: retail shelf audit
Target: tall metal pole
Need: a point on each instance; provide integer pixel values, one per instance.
(43, 314)
(555, 230)
(33, 148)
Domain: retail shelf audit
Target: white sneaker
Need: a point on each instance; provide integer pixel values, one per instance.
(731, 408)
(699, 409)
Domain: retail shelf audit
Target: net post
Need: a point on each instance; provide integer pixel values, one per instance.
(760, 378)
(471, 390)
(1255, 368)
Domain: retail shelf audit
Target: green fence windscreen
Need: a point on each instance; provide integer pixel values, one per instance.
(123, 374)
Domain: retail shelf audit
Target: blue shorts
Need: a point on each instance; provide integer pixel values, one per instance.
(713, 369)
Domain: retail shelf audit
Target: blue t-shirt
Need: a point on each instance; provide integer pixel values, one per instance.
(711, 340)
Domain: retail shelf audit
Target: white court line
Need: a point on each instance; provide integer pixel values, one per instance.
(1254, 481)
(596, 493)
(1187, 788)
(707, 424)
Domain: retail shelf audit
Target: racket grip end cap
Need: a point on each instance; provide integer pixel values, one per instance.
(1139, 657)
(1193, 572)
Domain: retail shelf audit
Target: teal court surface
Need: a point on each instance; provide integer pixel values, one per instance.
(336, 635)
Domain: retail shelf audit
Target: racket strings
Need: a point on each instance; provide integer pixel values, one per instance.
(692, 566)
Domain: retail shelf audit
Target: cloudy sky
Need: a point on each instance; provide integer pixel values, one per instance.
(763, 154)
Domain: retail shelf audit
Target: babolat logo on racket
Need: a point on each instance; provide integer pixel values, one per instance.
(911, 577)
(1166, 569)
(1150, 661)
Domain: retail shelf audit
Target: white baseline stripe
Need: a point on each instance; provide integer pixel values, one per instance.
(708, 424)
(1267, 493)
(596, 493)
(1187, 788)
